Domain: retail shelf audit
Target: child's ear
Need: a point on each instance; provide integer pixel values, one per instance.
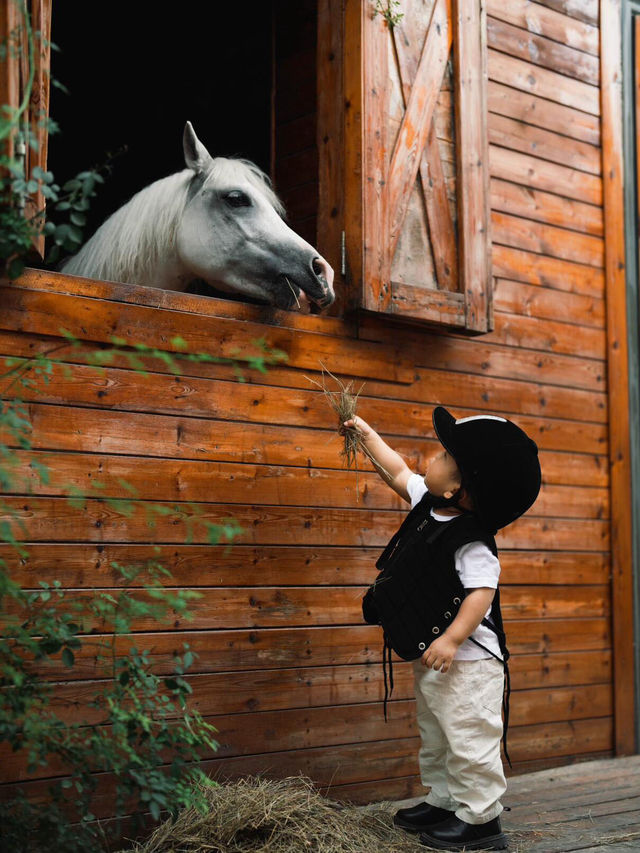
(451, 492)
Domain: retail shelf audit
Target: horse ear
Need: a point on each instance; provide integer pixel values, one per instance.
(196, 155)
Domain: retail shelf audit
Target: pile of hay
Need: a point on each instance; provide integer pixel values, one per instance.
(288, 816)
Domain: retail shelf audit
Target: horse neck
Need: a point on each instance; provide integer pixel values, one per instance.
(137, 243)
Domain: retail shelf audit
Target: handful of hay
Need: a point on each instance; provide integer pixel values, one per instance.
(288, 816)
(344, 401)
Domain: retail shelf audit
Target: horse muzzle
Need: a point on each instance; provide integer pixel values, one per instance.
(312, 287)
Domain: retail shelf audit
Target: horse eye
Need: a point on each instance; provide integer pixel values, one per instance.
(236, 198)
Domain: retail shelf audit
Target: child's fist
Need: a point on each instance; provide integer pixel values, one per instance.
(357, 423)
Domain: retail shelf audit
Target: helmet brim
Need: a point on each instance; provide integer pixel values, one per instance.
(443, 424)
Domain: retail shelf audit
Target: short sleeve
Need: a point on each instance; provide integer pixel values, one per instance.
(416, 489)
(477, 566)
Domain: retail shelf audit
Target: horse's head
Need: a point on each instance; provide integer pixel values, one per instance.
(232, 235)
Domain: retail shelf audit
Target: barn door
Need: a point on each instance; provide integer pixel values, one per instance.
(25, 29)
(423, 249)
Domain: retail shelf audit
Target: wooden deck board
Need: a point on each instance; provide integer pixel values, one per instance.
(585, 807)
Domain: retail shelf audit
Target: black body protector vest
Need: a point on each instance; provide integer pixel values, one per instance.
(418, 592)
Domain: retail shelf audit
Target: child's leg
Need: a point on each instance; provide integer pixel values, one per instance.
(432, 757)
(473, 725)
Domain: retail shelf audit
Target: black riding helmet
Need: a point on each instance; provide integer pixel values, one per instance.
(498, 462)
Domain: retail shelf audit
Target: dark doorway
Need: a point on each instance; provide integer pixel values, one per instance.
(137, 71)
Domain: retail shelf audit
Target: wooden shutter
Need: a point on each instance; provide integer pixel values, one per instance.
(24, 76)
(416, 138)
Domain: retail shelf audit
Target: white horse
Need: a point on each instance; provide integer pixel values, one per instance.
(218, 220)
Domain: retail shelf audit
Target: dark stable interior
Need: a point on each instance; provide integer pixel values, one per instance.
(242, 74)
(136, 72)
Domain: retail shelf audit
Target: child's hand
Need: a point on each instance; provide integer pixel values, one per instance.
(357, 423)
(440, 653)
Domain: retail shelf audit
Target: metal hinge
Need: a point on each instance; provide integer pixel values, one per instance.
(343, 254)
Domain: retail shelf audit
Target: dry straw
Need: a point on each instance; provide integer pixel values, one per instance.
(287, 816)
(344, 401)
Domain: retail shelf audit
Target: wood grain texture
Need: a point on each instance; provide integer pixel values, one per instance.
(554, 22)
(474, 236)
(520, 74)
(416, 123)
(617, 357)
(517, 104)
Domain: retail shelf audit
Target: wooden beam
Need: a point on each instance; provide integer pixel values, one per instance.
(330, 219)
(618, 372)
(412, 136)
(375, 158)
(470, 75)
(434, 188)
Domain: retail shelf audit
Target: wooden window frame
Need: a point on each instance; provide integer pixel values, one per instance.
(377, 180)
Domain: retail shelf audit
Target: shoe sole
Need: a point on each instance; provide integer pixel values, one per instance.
(493, 842)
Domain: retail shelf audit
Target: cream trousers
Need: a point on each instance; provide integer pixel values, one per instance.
(460, 721)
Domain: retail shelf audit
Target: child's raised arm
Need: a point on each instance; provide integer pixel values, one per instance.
(396, 472)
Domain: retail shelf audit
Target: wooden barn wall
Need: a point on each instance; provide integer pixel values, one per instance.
(286, 670)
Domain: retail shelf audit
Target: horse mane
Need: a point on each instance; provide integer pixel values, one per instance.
(135, 240)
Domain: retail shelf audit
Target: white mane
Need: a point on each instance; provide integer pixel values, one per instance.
(139, 238)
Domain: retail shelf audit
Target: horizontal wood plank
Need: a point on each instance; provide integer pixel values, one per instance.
(524, 106)
(141, 478)
(272, 607)
(522, 168)
(312, 728)
(129, 391)
(519, 200)
(528, 44)
(552, 23)
(276, 648)
(587, 11)
(547, 239)
(481, 358)
(546, 303)
(539, 81)
(99, 320)
(309, 687)
(520, 265)
(75, 565)
(55, 520)
(548, 145)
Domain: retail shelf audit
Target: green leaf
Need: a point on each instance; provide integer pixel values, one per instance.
(68, 658)
(15, 268)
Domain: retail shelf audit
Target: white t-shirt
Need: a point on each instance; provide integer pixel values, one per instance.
(476, 566)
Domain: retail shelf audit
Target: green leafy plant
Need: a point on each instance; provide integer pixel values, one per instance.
(135, 729)
(390, 11)
(64, 216)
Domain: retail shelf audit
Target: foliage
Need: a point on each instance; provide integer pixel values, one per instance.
(65, 214)
(131, 723)
(390, 11)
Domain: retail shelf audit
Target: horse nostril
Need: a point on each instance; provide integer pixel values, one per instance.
(322, 268)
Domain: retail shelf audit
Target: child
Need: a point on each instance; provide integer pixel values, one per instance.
(487, 470)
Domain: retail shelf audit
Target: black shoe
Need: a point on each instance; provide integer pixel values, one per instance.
(422, 816)
(456, 834)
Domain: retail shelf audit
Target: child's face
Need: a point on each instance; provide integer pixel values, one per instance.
(443, 476)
